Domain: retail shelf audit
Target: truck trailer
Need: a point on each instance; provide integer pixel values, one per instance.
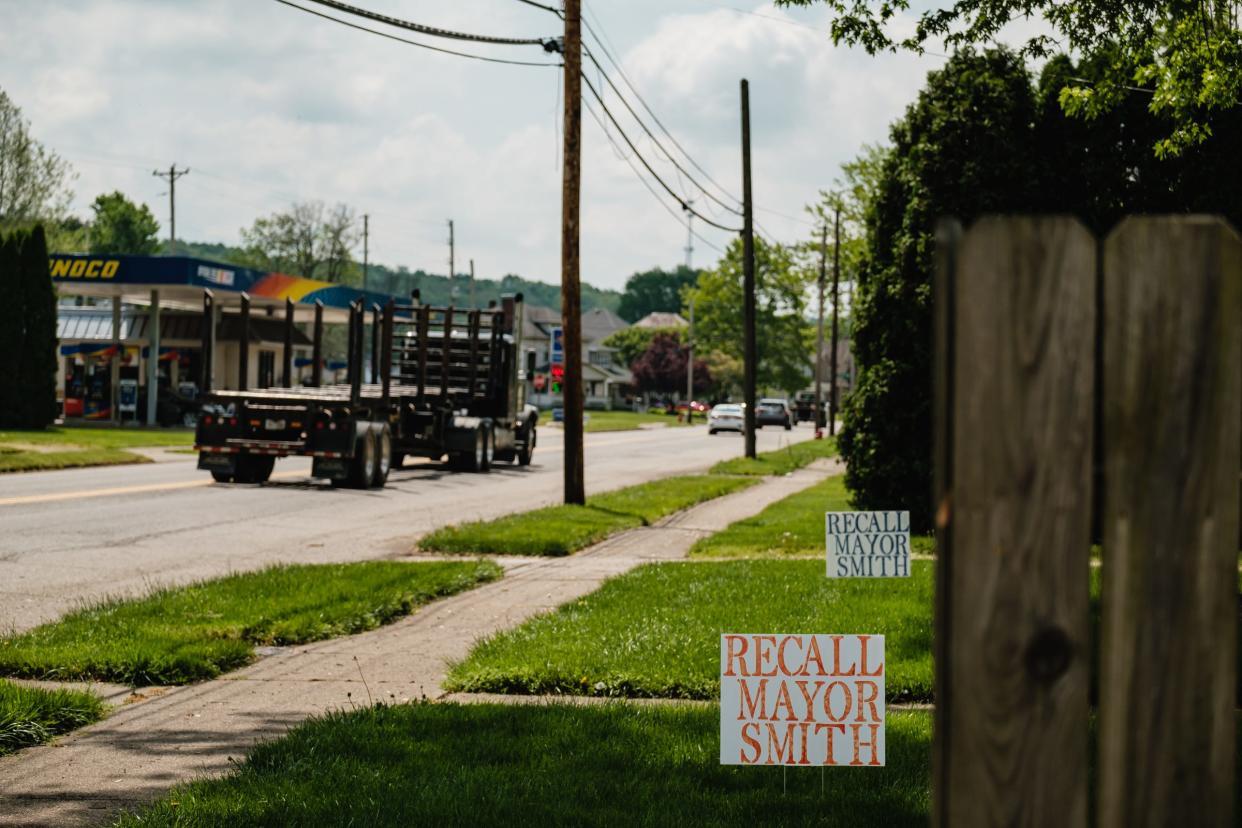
(445, 383)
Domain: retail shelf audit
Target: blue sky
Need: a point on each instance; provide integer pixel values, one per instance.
(267, 104)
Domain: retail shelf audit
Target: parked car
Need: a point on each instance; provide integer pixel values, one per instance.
(804, 407)
(771, 411)
(725, 417)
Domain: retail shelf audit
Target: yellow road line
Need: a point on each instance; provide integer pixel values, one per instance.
(121, 490)
(56, 497)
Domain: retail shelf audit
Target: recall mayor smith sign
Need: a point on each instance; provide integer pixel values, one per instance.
(868, 544)
(802, 700)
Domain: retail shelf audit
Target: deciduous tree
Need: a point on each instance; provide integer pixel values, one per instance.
(653, 291)
(34, 181)
(123, 227)
(1185, 55)
(785, 337)
(307, 240)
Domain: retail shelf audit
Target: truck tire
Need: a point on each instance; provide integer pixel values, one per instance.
(398, 459)
(471, 461)
(222, 477)
(363, 463)
(528, 449)
(383, 456)
(253, 468)
(489, 448)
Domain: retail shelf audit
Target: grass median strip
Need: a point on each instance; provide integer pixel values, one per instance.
(32, 715)
(65, 448)
(197, 632)
(791, 527)
(780, 461)
(561, 530)
(617, 764)
(598, 421)
(655, 632)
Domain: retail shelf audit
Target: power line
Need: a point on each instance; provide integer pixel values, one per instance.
(540, 6)
(626, 79)
(413, 42)
(682, 170)
(642, 179)
(654, 174)
(545, 42)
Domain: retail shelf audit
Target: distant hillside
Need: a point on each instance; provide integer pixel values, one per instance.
(434, 288)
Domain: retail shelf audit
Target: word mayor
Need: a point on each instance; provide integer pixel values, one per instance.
(802, 700)
(868, 544)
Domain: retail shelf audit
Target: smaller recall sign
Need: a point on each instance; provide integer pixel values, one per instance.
(868, 544)
(802, 700)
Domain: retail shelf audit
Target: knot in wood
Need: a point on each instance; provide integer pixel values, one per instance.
(1048, 655)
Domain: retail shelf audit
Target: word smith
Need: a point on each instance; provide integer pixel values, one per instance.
(868, 544)
(802, 700)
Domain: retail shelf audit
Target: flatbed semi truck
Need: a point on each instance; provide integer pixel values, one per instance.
(444, 383)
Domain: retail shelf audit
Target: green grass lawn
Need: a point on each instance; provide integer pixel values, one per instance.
(32, 716)
(560, 530)
(655, 632)
(196, 632)
(63, 448)
(781, 461)
(618, 420)
(793, 526)
(617, 764)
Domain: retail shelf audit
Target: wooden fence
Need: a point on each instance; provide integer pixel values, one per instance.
(1048, 341)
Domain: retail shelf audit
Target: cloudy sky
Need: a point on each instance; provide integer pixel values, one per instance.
(267, 104)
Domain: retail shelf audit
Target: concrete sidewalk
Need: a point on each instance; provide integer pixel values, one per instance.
(175, 734)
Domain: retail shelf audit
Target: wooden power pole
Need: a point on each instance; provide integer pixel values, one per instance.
(836, 281)
(819, 331)
(748, 278)
(171, 177)
(571, 308)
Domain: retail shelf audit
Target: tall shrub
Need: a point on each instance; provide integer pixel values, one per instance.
(11, 327)
(36, 368)
(964, 148)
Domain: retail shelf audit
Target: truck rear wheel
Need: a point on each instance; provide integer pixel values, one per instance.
(475, 460)
(528, 449)
(253, 468)
(222, 476)
(362, 466)
(383, 457)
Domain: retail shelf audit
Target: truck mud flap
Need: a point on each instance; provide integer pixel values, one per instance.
(216, 462)
(330, 467)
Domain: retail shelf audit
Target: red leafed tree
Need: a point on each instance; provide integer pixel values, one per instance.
(662, 367)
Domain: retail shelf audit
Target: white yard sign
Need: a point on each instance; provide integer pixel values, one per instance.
(868, 544)
(802, 700)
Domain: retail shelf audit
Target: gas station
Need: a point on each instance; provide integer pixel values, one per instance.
(170, 318)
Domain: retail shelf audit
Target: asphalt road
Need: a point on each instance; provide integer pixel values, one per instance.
(79, 535)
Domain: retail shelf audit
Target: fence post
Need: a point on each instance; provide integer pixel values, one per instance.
(1014, 513)
(1172, 417)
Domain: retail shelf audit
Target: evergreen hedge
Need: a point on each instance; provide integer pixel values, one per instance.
(27, 332)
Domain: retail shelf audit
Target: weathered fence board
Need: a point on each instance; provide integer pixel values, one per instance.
(1172, 370)
(948, 236)
(1014, 744)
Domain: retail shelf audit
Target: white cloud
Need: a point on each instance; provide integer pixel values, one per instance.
(267, 104)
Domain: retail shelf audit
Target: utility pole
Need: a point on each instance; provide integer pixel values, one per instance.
(571, 305)
(472, 283)
(836, 281)
(748, 277)
(690, 367)
(819, 334)
(171, 177)
(689, 233)
(366, 251)
(452, 254)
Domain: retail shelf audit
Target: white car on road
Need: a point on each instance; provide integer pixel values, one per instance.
(725, 417)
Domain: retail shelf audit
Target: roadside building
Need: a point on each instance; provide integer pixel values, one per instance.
(606, 383)
(130, 323)
(660, 319)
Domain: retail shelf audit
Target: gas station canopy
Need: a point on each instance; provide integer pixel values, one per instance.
(181, 280)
